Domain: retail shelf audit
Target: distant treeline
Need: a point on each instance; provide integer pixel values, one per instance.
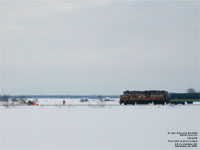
(63, 96)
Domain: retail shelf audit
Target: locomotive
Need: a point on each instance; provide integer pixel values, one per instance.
(158, 97)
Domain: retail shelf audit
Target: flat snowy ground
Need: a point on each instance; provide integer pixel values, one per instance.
(140, 127)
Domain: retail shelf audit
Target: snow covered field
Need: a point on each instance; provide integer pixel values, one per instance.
(140, 127)
(76, 102)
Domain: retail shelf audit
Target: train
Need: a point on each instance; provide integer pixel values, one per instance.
(157, 97)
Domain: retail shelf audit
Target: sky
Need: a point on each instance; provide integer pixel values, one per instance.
(98, 46)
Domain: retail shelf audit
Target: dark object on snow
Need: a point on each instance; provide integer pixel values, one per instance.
(84, 100)
(30, 103)
(108, 99)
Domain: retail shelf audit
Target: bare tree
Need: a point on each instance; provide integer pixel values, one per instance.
(100, 101)
(5, 97)
(191, 90)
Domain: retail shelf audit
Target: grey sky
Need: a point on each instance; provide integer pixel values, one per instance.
(98, 46)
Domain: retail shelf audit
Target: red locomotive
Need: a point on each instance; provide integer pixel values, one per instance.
(144, 97)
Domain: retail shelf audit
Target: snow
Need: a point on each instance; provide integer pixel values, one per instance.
(72, 127)
(76, 102)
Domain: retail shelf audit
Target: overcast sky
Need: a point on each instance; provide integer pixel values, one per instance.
(98, 46)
